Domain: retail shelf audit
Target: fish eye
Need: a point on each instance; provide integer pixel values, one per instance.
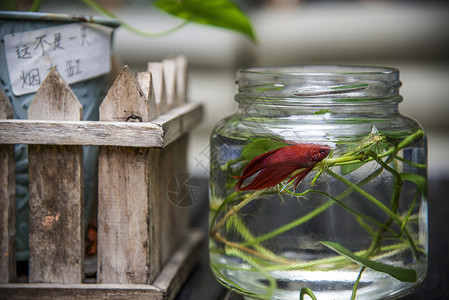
(322, 151)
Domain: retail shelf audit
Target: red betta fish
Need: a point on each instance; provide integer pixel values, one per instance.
(275, 166)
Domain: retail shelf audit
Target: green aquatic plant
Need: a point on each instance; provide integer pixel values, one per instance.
(282, 163)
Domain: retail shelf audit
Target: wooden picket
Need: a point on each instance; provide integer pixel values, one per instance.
(123, 191)
(144, 246)
(7, 201)
(55, 189)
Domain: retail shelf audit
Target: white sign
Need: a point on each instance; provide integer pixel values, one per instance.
(78, 50)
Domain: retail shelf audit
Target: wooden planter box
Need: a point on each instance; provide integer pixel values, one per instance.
(145, 249)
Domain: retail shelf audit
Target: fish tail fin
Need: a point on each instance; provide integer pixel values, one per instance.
(300, 176)
(265, 179)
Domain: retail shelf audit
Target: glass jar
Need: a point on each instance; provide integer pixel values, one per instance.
(318, 186)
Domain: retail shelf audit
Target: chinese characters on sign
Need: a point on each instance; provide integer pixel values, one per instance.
(79, 51)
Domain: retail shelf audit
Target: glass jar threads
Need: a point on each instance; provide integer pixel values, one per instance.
(318, 185)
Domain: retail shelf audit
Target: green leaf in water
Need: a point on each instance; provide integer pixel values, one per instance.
(346, 169)
(221, 13)
(374, 143)
(402, 274)
(260, 146)
(322, 111)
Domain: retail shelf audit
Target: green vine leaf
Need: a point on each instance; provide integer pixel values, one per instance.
(260, 146)
(402, 274)
(221, 13)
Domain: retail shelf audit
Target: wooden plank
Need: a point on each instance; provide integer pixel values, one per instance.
(181, 79)
(167, 242)
(125, 100)
(123, 192)
(166, 285)
(56, 188)
(7, 201)
(81, 133)
(80, 291)
(180, 209)
(145, 80)
(157, 71)
(173, 221)
(174, 217)
(175, 122)
(156, 190)
(178, 268)
(123, 216)
(170, 76)
(6, 111)
(55, 101)
(157, 133)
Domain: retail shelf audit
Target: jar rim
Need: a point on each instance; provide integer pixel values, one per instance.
(313, 82)
(317, 70)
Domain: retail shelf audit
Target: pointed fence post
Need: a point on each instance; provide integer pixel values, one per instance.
(146, 83)
(123, 194)
(168, 168)
(145, 80)
(169, 66)
(181, 79)
(56, 189)
(157, 71)
(7, 201)
(162, 237)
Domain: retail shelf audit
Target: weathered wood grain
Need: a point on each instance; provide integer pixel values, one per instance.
(80, 291)
(170, 79)
(125, 100)
(7, 201)
(181, 79)
(145, 80)
(174, 217)
(164, 171)
(182, 261)
(166, 285)
(55, 189)
(123, 216)
(6, 110)
(180, 208)
(177, 119)
(55, 101)
(156, 192)
(171, 163)
(157, 133)
(123, 191)
(157, 71)
(139, 226)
